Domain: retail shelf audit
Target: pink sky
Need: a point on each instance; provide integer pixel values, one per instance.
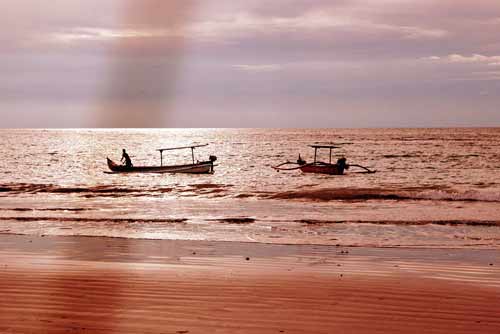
(221, 63)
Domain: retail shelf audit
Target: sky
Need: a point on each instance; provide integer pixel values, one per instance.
(226, 63)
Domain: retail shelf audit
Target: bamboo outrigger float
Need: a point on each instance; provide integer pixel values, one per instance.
(199, 167)
(320, 167)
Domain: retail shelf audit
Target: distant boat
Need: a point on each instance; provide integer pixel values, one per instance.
(203, 167)
(320, 167)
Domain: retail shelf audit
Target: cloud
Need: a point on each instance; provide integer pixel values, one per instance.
(259, 68)
(475, 58)
(472, 59)
(102, 34)
(247, 24)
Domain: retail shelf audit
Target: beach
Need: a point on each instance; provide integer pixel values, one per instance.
(71, 284)
(412, 248)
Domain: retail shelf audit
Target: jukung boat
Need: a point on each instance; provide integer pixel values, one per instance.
(199, 167)
(320, 167)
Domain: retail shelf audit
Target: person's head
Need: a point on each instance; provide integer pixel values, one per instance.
(124, 151)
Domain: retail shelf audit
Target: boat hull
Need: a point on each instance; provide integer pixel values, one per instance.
(205, 167)
(330, 169)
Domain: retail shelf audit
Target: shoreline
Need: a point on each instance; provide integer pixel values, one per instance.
(175, 231)
(473, 247)
(110, 285)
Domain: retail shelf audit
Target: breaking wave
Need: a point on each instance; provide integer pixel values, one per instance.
(111, 190)
(211, 190)
(96, 220)
(363, 194)
(403, 222)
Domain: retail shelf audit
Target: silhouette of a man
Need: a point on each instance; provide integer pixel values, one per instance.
(125, 156)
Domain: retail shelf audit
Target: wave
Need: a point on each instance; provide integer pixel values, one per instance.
(110, 190)
(249, 220)
(403, 222)
(400, 194)
(46, 209)
(236, 220)
(96, 220)
(18, 188)
(303, 193)
(390, 156)
(465, 196)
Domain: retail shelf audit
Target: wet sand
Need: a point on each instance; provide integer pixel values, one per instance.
(106, 285)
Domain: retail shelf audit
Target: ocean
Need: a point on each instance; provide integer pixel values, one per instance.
(433, 187)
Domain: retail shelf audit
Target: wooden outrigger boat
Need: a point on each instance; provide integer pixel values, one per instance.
(199, 167)
(320, 167)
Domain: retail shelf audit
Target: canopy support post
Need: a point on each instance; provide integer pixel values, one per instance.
(161, 158)
(315, 152)
(330, 156)
(192, 153)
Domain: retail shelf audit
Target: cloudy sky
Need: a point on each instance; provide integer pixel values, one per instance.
(250, 63)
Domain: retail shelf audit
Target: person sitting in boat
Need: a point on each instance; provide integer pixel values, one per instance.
(125, 156)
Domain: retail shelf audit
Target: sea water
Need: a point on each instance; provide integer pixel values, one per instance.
(432, 188)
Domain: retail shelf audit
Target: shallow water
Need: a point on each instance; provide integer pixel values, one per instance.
(433, 187)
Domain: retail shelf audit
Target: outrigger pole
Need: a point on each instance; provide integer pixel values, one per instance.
(179, 148)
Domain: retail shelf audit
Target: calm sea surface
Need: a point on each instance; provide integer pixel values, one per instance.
(432, 188)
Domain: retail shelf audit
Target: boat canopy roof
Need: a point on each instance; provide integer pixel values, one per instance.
(181, 147)
(328, 145)
(324, 146)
